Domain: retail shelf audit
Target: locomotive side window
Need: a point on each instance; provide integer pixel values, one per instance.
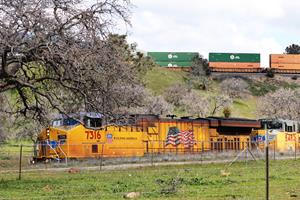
(288, 128)
(92, 122)
(57, 122)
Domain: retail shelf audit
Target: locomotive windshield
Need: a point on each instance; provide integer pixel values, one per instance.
(65, 122)
(90, 120)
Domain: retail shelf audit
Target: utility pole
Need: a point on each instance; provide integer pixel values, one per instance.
(267, 163)
(20, 162)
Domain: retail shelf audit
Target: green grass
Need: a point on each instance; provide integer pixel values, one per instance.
(244, 108)
(246, 181)
(292, 86)
(10, 153)
(158, 79)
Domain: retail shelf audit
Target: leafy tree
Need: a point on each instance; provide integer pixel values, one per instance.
(200, 67)
(140, 64)
(293, 49)
(199, 75)
(58, 51)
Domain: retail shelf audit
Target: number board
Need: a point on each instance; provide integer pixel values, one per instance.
(93, 135)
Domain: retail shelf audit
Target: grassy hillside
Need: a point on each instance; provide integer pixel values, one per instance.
(158, 79)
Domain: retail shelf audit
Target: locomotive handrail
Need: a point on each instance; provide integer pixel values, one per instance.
(53, 150)
(63, 153)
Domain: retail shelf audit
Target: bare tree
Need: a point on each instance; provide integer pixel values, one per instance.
(283, 103)
(54, 47)
(3, 134)
(175, 93)
(148, 103)
(158, 105)
(200, 82)
(235, 87)
(2, 124)
(195, 105)
(219, 103)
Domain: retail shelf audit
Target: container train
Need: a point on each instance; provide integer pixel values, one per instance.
(90, 135)
(230, 62)
(245, 62)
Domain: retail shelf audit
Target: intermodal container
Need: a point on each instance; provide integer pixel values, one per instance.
(285, 58)
(236, 65)
(175, 64)
(173, 56)
(234, 57)
(285, 66)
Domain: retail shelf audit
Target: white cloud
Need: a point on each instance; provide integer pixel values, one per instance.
(263, 26)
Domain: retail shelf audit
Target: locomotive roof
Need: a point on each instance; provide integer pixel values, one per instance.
(233, 122)
(79, 114)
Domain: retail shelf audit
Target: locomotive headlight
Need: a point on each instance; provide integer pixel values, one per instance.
(48, 132)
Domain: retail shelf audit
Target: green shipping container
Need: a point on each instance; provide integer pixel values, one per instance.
(234, 57)
(175, 64)
(173, 56)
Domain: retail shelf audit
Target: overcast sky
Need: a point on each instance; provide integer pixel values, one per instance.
(258, 26)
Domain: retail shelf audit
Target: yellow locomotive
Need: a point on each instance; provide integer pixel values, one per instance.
(89, 135)
(284, 135)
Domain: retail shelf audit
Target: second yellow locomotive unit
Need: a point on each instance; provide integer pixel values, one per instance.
(88, 135)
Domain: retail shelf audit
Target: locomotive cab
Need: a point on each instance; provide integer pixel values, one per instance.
(53, 141)
(89, 120)
(283, 135)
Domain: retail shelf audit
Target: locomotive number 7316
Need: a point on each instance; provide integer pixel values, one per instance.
(90, 135)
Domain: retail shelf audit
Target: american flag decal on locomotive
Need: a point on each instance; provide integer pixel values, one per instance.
(176, 137)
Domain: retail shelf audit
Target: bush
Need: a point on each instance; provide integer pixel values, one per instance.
(227, 112)
(262, 88)
(200, 82)
(270, 73)
(294, 77)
